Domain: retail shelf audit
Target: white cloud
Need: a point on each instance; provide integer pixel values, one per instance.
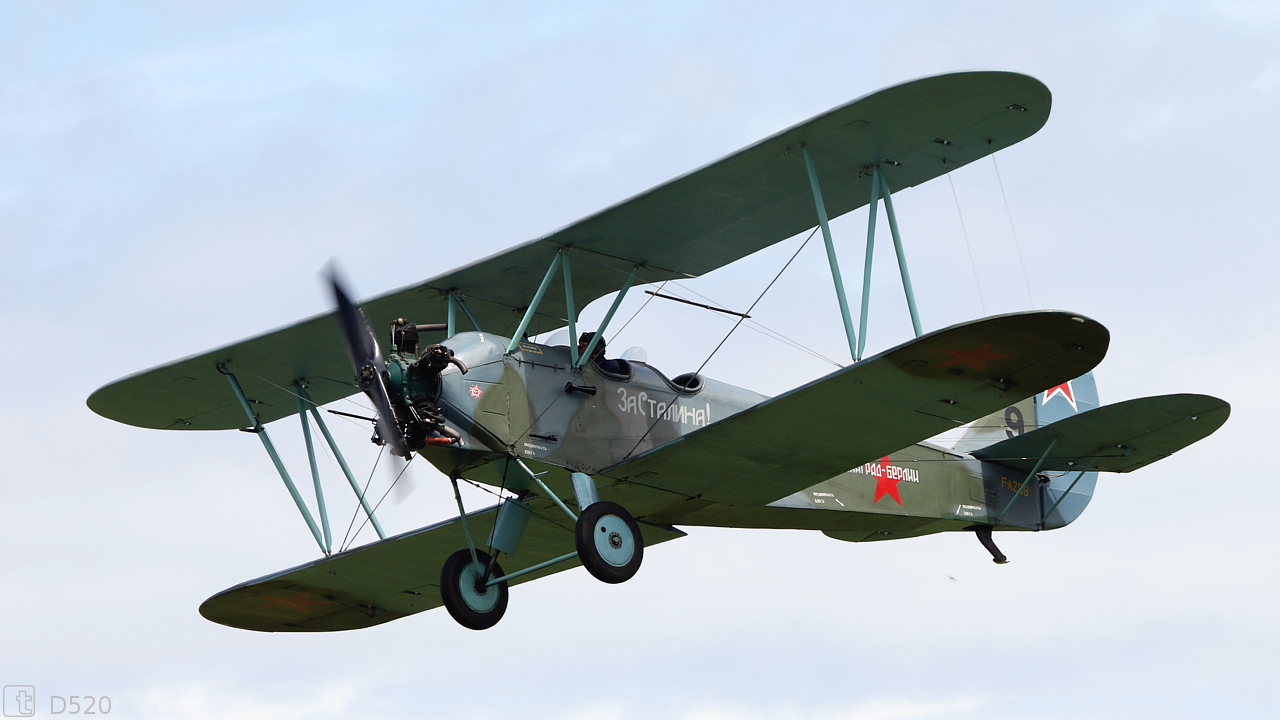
(877, 709)
(201, 701)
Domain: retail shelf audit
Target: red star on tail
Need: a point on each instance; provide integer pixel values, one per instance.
(1065, 391)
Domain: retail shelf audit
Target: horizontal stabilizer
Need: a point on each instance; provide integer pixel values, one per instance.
(861, 413)
(1114, 438)
(392, 578)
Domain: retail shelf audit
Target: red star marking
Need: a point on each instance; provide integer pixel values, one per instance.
(1065, 391)
(302, 602)
(886, 485)
(976, 358)
(475, 391)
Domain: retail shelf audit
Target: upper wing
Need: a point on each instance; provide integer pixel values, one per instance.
(868, 410)
(392, 578)
(1114, 438)
(691, 225)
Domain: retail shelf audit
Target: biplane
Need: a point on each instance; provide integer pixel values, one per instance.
(596, 460)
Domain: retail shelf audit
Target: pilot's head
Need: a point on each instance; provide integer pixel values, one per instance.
(585, 339)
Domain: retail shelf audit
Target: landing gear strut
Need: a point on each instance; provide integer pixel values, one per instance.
(606, 537)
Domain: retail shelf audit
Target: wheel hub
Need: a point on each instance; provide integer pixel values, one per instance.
(614, 541)
(480, 598)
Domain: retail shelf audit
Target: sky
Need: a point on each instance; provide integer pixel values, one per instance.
(173, 178)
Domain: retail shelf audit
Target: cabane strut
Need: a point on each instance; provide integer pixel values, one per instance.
(561, 260)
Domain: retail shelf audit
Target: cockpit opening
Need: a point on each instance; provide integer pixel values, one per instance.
(688, 383)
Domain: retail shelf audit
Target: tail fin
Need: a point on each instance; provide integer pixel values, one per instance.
(1069, 398)
(1043, 409)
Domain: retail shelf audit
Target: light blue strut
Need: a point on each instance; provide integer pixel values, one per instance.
(342, 461)
(315, 470)
(261, 432)
(880, 191)
(831, 252)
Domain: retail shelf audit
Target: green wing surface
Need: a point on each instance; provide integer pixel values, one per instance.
(392, 578)
(868, 410)
(1117, 438)
(686, 227)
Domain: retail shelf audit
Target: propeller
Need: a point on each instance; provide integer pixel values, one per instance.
(370, 368)
(403, 484)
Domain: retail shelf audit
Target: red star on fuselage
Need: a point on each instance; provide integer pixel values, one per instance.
(886, 485)
(976, 358)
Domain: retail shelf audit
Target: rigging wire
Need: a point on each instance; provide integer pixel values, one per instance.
(729, 334)
(691, 251)
(981, 301)
(694, 247)
(756, 326)
(767, 331)
(757, 301)
(1014, 230)
(555, 518)
(386, 492)
(309, 401)
(365, 493)
(333, 461)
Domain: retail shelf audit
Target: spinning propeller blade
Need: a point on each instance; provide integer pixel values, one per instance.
(366, 360)
(401, 479)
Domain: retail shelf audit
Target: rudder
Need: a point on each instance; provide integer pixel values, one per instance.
(1072, 397)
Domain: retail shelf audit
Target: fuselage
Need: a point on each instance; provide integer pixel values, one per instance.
(534, 404)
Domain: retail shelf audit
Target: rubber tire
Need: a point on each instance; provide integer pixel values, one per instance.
(598, 521)
(455, 598)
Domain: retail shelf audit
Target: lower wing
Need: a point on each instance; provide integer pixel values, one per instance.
(872, 408)
(392, 578)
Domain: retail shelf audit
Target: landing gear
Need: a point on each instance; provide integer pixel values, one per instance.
(609, 542)
(984, 536)
(471, 603)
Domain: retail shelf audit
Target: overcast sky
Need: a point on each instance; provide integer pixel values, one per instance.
(172, 178)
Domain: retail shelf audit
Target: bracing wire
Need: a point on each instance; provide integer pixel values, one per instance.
(766, 331)
(308, 401)
(757, 300)
(365, 493)
(1013, 230)
(981, 301)
(696, 246)
(736, 325)
(377, 505)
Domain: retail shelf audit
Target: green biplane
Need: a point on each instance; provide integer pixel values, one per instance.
(596, 459)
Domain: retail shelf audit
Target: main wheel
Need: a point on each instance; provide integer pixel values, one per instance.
(609, 542)
(474, 608)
